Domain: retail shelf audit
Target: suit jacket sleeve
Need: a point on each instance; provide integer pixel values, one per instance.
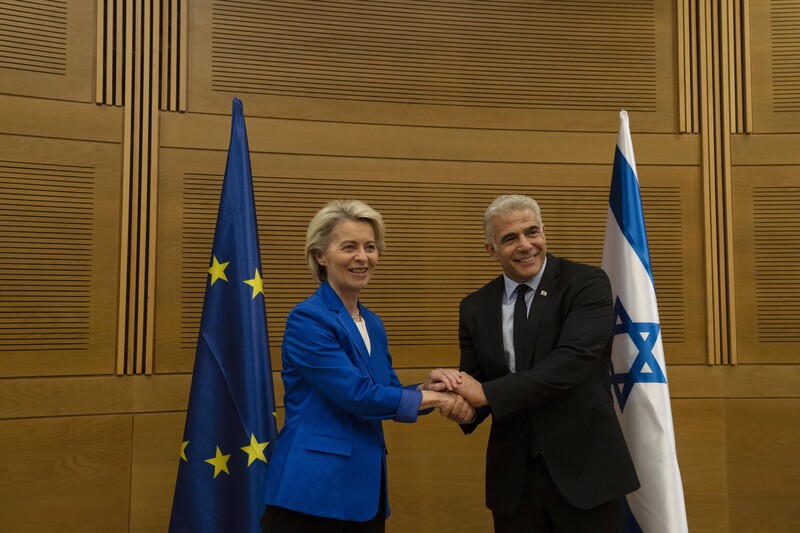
(471, 365)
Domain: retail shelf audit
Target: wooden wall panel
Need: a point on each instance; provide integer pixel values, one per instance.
(428, 134)
(59, 208)
(47, 50)
(775, 39)
(433, 211)
(700, 442)
(154, 468)
(418, 492)
(456, 63)
(767, 250)
(61, 120)
(436, 476)
(763, 465)
(65, 475)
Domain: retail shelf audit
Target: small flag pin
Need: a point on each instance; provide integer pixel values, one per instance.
(543, 293)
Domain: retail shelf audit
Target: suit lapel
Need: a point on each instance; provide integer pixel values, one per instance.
(540, 300)
(494, 316)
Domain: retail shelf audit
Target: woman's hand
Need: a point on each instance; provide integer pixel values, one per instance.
(442, 379)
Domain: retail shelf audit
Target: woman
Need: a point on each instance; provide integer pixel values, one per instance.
(328, 468)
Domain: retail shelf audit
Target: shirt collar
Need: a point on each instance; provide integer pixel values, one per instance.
(533, 283)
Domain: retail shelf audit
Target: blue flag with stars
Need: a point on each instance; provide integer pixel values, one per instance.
(638, 370)
(230, 422)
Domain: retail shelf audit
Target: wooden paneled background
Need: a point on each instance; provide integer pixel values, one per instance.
(114, 125)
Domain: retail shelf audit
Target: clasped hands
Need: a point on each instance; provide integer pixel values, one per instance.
(456, 394)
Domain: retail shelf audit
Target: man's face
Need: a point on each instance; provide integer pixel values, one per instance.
(519, 244)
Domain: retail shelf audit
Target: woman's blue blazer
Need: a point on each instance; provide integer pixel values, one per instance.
(330, 452)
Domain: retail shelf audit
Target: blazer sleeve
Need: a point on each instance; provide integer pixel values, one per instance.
(310, 345)
(585, 331)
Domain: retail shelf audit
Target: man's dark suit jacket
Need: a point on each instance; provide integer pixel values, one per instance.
(560, 393)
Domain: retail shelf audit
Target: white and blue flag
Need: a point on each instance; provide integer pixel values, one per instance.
(638, 370)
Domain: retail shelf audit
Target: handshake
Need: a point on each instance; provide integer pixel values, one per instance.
(456, 394)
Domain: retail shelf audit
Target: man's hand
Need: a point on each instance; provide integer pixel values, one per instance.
(442, 379)
(458, 410)
(471, 390)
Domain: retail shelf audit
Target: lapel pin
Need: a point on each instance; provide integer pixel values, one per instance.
(543, 293)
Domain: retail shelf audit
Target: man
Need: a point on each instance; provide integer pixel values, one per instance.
(556, 458)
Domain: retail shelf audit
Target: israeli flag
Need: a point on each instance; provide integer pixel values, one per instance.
(638, 371)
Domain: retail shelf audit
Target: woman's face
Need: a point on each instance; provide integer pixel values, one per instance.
(350, 257)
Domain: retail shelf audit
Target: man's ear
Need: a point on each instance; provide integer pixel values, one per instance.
(491, 250)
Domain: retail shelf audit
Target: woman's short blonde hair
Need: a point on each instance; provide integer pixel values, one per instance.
(318, 235)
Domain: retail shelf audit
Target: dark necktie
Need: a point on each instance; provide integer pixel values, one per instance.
(520, 318)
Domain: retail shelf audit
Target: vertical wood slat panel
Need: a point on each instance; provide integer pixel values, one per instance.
(694, 24)
(687, 66)
(127, 207)
(728, 40)
(121, 42)
(716, 100)
(738, 42)
(145, 65)
(738, 64)
(173, 54)
(727, 113)
(719, 96)
(714, 103)
(143, 75)
(152, 199)
(134, 107)
(707, 111)
(165, 46)
(747, 82)
(171, 19)
(127, 74)
(183, 29)
(100, 52)
(683, 55)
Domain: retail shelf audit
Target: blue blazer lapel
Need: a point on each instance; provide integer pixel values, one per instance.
(355, 335)
(344, 319)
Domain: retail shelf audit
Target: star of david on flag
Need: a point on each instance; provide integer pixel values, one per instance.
(645, 367)
(638, 369)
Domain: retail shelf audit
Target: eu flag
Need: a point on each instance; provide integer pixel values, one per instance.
(638, 369)
(230, 420)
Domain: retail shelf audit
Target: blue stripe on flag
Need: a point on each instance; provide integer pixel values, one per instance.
(625, 203)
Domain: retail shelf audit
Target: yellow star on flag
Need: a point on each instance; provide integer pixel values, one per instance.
(220, 463)
(184, 444)
(257, 283)
(217, 270)
(255, 450)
